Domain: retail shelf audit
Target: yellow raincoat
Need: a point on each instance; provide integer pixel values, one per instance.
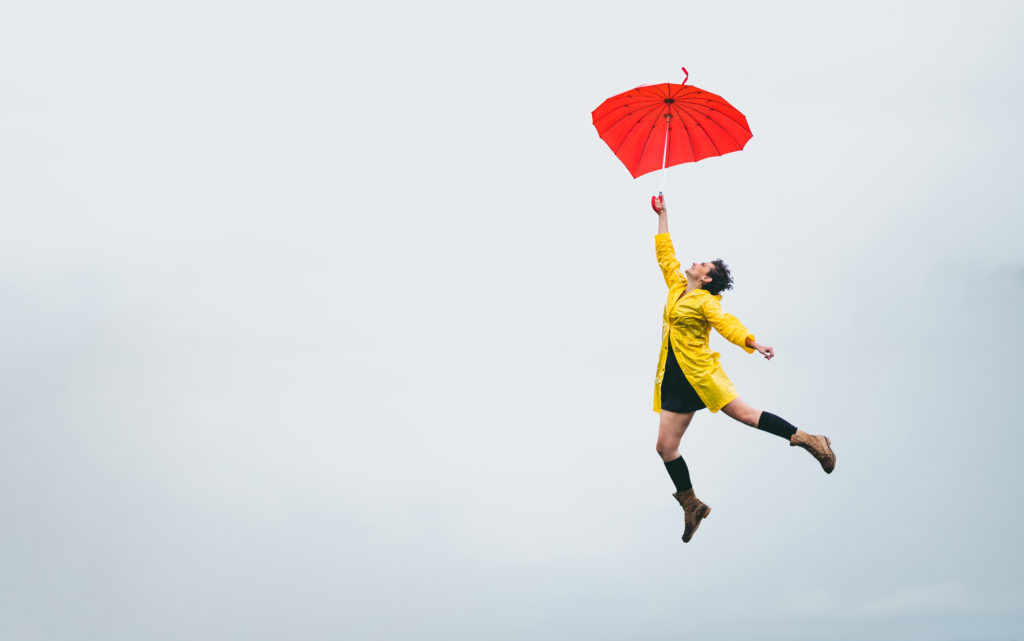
(689, 319)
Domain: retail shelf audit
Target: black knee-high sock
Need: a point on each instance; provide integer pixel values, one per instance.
(680, 474)
(776, 425)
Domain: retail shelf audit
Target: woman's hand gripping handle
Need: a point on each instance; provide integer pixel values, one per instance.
(658, 205)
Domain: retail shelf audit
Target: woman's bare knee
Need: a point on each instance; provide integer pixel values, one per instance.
(667, 449)
(671, 427)
(739, 410)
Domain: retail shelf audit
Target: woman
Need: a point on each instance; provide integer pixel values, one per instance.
(690, 377)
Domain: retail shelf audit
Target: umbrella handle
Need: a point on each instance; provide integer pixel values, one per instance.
(657, 200)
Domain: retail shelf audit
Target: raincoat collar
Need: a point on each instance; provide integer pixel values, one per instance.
(682, 284)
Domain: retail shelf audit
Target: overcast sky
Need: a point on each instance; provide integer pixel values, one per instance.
(338, 321)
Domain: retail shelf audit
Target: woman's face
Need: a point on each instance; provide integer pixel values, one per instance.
(699, 271)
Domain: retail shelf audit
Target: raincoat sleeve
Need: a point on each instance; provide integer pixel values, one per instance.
(727, 325)
(667, 259)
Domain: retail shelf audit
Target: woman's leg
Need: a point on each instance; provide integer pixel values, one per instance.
(671, 428)
(738, 409)
(819, 446)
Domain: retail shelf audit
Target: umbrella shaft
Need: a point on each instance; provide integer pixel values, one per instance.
(664, 153)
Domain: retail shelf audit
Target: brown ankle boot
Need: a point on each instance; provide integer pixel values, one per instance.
(820, 448)
(693, 511)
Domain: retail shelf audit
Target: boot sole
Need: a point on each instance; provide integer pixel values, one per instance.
(697, 524)
(835, 458)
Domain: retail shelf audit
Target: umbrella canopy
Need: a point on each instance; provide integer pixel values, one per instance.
(657, 126)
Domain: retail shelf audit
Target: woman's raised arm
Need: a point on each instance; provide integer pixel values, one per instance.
(663, 245)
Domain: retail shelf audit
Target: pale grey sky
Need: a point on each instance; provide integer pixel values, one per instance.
(338, 321)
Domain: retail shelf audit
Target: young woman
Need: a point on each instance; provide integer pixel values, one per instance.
(689, 375)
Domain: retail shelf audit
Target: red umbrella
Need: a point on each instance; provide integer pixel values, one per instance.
(657, 126)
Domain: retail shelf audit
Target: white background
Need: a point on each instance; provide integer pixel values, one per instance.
(338, 321)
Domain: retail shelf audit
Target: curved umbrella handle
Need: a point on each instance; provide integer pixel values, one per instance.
(658, 203)
(687, 75)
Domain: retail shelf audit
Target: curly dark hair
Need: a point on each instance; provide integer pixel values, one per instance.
(721, 278)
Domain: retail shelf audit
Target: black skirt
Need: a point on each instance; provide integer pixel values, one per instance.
(677, 395)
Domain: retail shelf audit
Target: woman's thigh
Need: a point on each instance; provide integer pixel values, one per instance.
(671, 427)
(738, 409)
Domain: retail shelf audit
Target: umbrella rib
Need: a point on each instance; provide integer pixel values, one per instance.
(693, 152)
(626, 136)
(681, 89)
(705, 95)
(628, 114)
(696, 122)
(744, 125)
(710, 97)
(655, 93)
(660, 97)
(714, 98)
(724, 130)
(717, 99)
(640, 156)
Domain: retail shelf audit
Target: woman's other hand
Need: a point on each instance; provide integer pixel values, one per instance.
(767, 352)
